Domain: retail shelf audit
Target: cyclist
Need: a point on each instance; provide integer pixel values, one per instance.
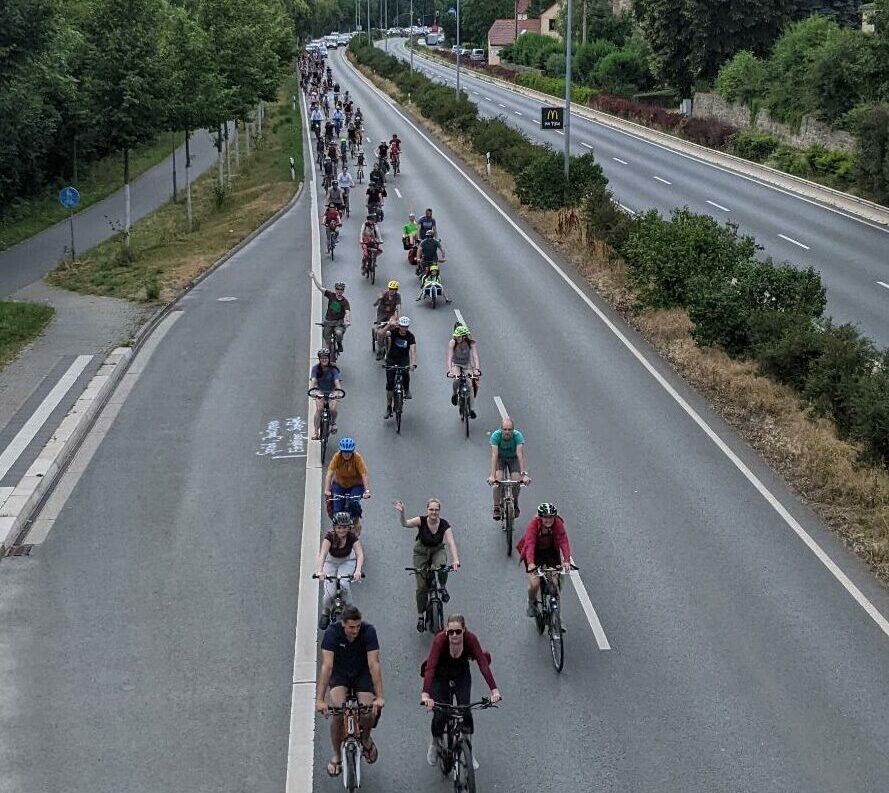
(332, 219)
(463, 352)
(395, 150)
(376, 176)
(402, 352)
(344, 149)
(368, 237)
(335, 196)
(387, 306)
(446, 673)
(345, 182)
(350, 660)
(320, 151)
(507, 448)
(338, 309)
(325, 377)
(340, 554)
(383, 156)
(431, 280)
(316, 117)
(545, 542)
(429, 248)
(409, 231)
(328, 131)
(359, 163)
(329, 172)
(433, 534)
(426, 223)
(347, 476)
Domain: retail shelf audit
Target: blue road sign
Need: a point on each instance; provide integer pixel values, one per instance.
(69, 197)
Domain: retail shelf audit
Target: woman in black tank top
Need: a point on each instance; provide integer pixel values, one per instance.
(433, 544)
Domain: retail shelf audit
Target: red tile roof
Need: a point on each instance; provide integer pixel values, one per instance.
(523, 6)
(503, 30)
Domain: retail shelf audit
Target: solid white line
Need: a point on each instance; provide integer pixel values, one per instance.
(501, 408)
(881, 283)
(618, 159)
(39, 417)
(661, 180)
(754, 480)
(718, 206)
(397, 192)
(795, 242)
(517, 112)
(301, 743)
(586, 144)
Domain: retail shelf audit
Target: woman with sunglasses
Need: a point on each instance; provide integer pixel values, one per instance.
(447, 666)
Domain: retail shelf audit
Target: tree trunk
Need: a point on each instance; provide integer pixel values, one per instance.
(259, 118)
(228, 159)
(188, 211)
(126, 193)
(247, 126)
(75, 159)
(583, 24)
(238, 146)
(219, 157)
(173, 142)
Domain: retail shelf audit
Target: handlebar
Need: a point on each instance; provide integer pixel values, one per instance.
(345, 497)
(442, 568)
(318, 393)
(474, 376)
(399, 366)
(337, 710)
(333, 577)
(518, 482)
(447, 707)
(544, 571)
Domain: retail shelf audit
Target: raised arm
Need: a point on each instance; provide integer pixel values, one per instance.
(322, 555)
(316, 281)
(411, 523)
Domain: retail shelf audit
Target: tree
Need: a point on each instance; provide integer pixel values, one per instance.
(477, 16)
(670, 29)
(742, 79)
(842, 73)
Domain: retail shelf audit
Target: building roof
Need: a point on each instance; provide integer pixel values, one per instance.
(523, 6)
(503, 30)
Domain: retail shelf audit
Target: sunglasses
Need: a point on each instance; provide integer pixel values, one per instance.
(455, 631)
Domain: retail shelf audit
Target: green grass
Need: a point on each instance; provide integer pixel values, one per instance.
(19, 324)
(97, 180)
(163, 256)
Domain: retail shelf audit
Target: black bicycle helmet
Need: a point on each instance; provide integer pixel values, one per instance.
(324, 353)
(546, 510)
(339, 285)
(342, 519)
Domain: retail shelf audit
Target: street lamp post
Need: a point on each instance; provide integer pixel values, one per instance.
(567, 91)
(410, 34)
(368, 23)
(386, 24)
(457, 88)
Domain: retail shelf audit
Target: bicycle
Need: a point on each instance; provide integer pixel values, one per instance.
(508, 505)
(350, 749)
(359, 176)
(398, 395)
(385, 344)
(369, 265)
(436, 595)
(346, 206)
(345, 500)
(455, 750)
(463, 394)
(548, 614)
(325, 422)
(331, 338)
(333, 236)
(339, 601)
(395, 159)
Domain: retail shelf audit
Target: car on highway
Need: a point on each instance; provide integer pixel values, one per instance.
(343, 39)
(332, 42)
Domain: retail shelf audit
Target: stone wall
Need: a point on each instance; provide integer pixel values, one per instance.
(810, 133)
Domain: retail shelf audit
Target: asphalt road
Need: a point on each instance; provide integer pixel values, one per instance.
(849, 253)
(147, 643)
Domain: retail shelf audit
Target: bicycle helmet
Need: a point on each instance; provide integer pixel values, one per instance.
(324, 353)
(461, 330)
(393, 285)
(547, 510)
(433, 268)
(371, 219)
(339, 285)
(404, 322)
(430, 233)
(347, 445)
(342, 519)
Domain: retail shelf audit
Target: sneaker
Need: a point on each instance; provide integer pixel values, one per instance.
(531, 611)
(454, 400)
(380, 355)
(421, 624)
(324, 621)
(474, 763)
(497, 513)
(472, 414)
(407, 395)
(432, 753)
(388, 413)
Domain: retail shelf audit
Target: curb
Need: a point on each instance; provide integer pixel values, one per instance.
(37, 483)
(827, 196)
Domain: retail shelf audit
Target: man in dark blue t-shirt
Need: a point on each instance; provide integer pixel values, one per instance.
(350, 660)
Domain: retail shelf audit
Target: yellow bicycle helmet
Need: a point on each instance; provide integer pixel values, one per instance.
(393, 285)
(461, 330)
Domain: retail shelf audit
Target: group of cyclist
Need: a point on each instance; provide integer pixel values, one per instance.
(350, 648)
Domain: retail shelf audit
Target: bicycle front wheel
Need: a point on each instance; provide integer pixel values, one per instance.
(464, 773)
(556, 639)
(324, 432)
(399, 406)
(508, 523)
(437, 617)
(351, 780)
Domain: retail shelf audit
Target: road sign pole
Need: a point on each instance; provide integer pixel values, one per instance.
(71, 224)
(568, 13)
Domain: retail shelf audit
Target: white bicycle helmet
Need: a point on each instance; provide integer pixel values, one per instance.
(404, 322)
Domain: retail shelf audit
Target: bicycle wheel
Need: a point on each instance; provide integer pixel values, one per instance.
(556, 639)
(373, 338)
(464, 412)
(324, 432)
(351, 780)
(399, 406)
(437, 617)
(464, 773)
(540, 618)
(434, 298)
(508, 523)
(373, 270)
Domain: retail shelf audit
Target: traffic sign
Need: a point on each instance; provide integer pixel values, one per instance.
(551, 117)
(69, 197)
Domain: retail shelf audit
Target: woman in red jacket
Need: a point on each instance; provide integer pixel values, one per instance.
(448, 665)
(544, 542)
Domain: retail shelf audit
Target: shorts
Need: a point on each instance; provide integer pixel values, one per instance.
(360, 683)
(547, 558)
(511, 464)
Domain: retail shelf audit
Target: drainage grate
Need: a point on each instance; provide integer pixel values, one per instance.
(19, 550)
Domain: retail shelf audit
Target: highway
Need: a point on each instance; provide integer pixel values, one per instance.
(850, 253)
(148, 641)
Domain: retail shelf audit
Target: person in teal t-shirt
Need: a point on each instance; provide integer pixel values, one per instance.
(507, 453)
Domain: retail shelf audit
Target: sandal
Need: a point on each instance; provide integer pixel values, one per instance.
(316, 437)
(421, 624)
(334, 767)
(370, 753)
(497, 513)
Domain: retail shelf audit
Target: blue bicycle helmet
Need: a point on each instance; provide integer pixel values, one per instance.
(347, 445)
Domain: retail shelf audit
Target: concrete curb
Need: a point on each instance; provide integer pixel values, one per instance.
(859, 207)
(37, 483)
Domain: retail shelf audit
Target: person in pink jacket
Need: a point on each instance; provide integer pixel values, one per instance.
(545, 542)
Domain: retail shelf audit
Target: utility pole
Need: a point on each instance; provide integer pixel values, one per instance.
(386, 24)
(567, 91)
(368, 23)
(516, 22)
(583, 24)
(410, 34)
(457, 88)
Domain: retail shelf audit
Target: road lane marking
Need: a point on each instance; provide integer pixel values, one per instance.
(582, 595)
(39, 417)
(661, 180)
(791, 522)
(618, 159)
(718, 206)
(459, 316)
(627, 209)
(559, 132)
(586, 144)
(499, 105)
(795, 242)
(397, 192)
(516, 112)
(475, 93)
(226, 299)
(488, 98)
(881, 283)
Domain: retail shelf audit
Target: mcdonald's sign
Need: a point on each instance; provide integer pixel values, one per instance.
(551, 117)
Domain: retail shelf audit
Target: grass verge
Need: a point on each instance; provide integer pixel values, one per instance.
(824, 470)
(20, 323)
(97, 180)
(164, 256)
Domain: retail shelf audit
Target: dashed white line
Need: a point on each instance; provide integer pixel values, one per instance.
(560, 132)
(517, 112)
(661, 180)
(501, 408)
(488, 98)
(586, 144)
(397, 192)
(883, 283)
(795, 242)
(718, 206)
(475, 93)
(499, 105)
(459, 316)
(618, 159)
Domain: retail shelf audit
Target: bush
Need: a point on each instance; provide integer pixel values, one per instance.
(509, 148)
(554, 86)
(555, 65)
(742, 79)
(587, 57)
(785, 345)
(604, 219)
(541, 184)
(665, 256)
(532, 49)
(872, 160)
(835, 376)
(621, 72)
(836, 166)
(756, 146)
(869, 406)
(437, 102)
(707, 131)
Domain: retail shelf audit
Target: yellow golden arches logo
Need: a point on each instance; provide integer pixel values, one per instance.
(553, 114)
